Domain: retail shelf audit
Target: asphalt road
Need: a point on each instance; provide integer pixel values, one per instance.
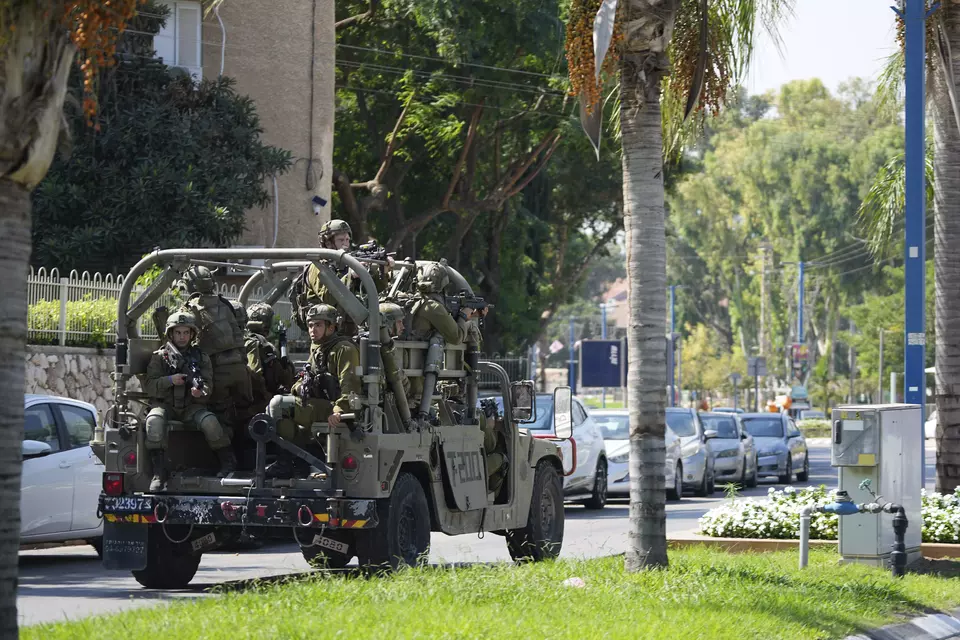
(69, 582)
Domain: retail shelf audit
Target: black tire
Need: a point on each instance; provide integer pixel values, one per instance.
(542, 537)
(803, 476)
(743, 475)
(752, 481)
(677, 491)
(169, 565)
(402, 536)
(322, 558)
(787, 477)
(598, 499)
(97, 544)
(703, 489)
(712, 487)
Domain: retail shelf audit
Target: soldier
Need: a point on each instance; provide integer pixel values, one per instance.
(493, 444)
(392, 315)
(322, 393)
(262, 358)
(179, 382)
(220, 337)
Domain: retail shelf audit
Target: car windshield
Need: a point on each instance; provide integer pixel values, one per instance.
(764, 427)
(613, 427)
(681, 423)
(724, 426)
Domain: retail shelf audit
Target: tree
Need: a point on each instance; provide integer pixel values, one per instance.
(709, 47)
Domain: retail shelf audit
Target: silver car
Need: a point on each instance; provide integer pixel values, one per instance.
(696, 461)
(733, 449)
(781, 448)
(615, 427)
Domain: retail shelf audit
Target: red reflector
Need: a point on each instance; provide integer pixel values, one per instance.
(130, 459)
(113, 484)
(349, 463)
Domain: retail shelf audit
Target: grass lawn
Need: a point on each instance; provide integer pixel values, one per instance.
(704, 594)
(815, 428)
(594, 403)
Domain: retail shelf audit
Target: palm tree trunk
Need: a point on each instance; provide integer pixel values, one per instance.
(14, 257)
(646, 271)
(946, 170)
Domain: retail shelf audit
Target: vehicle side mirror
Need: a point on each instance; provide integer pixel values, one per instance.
(744, 435)
(522, 406)
(563, 412)
(35, 449)
(710, 434)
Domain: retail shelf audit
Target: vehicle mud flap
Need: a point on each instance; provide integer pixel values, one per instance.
(124, 546)
(465, 472)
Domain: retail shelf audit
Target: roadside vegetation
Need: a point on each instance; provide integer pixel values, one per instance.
(729, 596)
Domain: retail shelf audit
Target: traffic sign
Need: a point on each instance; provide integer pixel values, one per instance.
(756, 367)
(602, 363)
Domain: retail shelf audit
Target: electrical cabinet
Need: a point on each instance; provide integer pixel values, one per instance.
(882, 444)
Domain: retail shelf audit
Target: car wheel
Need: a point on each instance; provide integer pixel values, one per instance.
(402, 536)
(322, 558)
(712, 486)
(542, 538)
(677, 491)
(703, 489)
(787, 477)
(752, 481)
(170, 565)
(804, 475)
(743, 474)
(599, 498)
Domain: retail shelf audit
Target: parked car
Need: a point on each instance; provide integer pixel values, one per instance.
(695, 459)
(61, 478)
(588, 482)
(615, 426)
(781, 448)
(733, 449)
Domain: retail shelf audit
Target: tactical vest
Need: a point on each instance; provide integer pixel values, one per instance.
(180, 396)
(326, 383)
(219, 330)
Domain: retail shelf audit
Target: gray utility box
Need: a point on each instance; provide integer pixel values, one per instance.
(880, 443)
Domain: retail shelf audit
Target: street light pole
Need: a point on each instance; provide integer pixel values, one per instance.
(603, 335)
(572, 361)
(673, 345)
(880, 373)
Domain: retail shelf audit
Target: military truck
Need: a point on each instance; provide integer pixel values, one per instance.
(388, 476)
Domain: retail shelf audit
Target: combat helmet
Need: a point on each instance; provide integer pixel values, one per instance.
(199, 279)
(323, 312)
(432, 278)
(391, 313)
(181, 319)
(331, 228)
(260, 317)
(240, 312)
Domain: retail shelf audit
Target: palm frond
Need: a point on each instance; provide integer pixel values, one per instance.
(889, 92)
(881, 213)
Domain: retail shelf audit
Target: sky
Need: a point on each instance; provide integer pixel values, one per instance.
(833, 40)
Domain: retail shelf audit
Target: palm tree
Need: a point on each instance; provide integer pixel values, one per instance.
(882, 214)
(678, 60)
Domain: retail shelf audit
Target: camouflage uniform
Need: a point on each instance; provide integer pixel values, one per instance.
(176, 402)
(277, 374)
(390, 314)
(493, 446)
(221, 337)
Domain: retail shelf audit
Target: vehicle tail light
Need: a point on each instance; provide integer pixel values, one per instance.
(113, 484)
(130, 459)
(349, 463)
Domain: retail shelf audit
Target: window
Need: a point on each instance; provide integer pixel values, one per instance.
(179, 42)
(726, 428)
(792, 429)
(80, 424)
(616, 427)
(682, 424)
(764, 427)
(579, 415)
(39, 425)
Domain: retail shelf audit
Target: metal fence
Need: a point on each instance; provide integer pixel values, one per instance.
(516, 368)
(81, 309)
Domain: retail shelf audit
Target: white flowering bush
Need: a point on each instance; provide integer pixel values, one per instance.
(778, 517)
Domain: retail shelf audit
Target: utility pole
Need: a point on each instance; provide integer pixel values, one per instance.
(880, 372)
(914, 18)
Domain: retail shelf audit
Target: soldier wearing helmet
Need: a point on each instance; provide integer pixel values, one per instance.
(391, 318)
(221, 336)
(324, 387)
(263, 359)
(179, 381)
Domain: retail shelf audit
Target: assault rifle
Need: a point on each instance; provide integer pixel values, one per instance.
(282, 341)
(307, 382)
(372, 251)
(194, 377)
(456, 304)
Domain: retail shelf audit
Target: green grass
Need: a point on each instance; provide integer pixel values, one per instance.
(704, 594)
(594, 403)
(815, 428)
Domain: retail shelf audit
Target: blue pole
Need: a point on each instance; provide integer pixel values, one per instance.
(800, 307)
(573, 371)
(672, 360)
(915, 195)
(603, 334)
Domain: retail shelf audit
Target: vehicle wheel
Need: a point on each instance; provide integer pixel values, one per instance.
(804, 475)
(703, 489)
(542, 538)
(599, 498)
(743, 475)
(322, 558)
(97, 544)
(677, 491)
(403, 533)
(752, 482)
(712, 487)
(787, 477)
(169, 565)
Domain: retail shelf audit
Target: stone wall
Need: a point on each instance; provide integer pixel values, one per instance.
(72, 372)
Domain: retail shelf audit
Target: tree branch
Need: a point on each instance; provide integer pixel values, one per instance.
(533, 174)
(341, 182)
(360, 17)
(458, 168)
(392, 146)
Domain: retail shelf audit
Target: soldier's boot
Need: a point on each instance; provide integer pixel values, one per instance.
(159, 464)
(228, 461)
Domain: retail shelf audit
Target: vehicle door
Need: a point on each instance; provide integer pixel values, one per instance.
(586, 440)
(78, 425)
(749, 447)
(46, 482)
(709, 453)
(796, 443)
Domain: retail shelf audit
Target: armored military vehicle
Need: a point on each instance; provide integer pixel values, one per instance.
(380, 482)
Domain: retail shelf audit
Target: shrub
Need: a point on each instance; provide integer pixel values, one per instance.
(95, 317)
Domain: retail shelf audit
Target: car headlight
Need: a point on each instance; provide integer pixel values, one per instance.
(620, 459)
(767, 454)
(728, 453)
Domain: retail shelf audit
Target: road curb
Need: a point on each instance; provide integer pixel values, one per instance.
(937, 626)
(740, 545)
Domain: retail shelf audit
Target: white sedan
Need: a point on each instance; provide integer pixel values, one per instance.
(615, 426)
(61, 479)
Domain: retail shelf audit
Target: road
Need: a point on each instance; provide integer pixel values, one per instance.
(69, 583)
